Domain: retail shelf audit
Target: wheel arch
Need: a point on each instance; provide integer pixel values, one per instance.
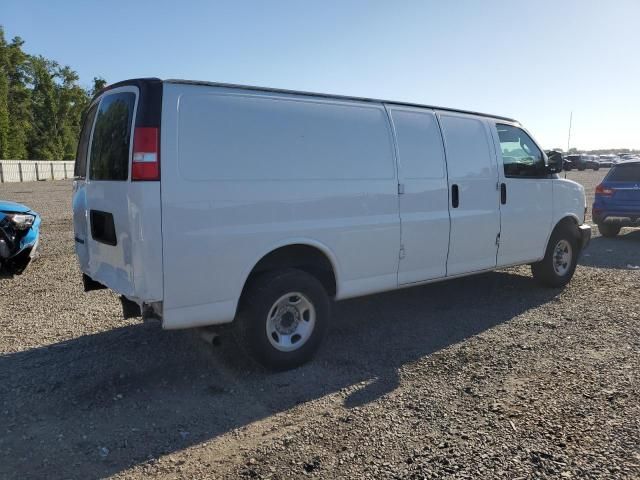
(569, 220)
(308, 255)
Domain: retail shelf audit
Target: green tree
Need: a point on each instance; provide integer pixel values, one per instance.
(41, 105)
(57, 105)
(72, 103)
(4, 98)
(19, 101)
(4, 116)
(45, 139)
(98, 84)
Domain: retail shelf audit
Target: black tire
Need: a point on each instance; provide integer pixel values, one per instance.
(595, 169)
(609, 229)
(259, 304)
(550, 271)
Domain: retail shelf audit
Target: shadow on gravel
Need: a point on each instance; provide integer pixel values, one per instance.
(96, 405)
(618, 252)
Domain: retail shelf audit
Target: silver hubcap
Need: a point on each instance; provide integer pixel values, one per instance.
(562, 257)
(290, 322)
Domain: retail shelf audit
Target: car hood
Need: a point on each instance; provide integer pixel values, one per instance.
(13, 207)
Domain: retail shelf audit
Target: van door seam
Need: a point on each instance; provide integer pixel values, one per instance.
(446, 172)
(396, 156)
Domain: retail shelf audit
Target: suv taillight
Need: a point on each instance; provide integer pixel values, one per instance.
(604, 191)
(146, 154)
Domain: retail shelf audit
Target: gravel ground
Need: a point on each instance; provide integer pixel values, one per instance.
(482, 377)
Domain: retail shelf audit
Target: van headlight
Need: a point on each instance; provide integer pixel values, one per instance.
(21, 221)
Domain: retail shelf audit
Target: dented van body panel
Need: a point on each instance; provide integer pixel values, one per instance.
(117, 220)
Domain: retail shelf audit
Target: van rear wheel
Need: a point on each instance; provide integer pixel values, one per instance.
(559, 263)
(283, 318)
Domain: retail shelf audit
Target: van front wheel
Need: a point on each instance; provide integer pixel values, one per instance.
(283, 318)
(559, 262)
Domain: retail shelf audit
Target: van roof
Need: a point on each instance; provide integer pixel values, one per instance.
(137, 81)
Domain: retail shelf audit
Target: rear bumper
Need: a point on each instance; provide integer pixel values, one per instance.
(130, 308)
(585, 235)
(623, 218)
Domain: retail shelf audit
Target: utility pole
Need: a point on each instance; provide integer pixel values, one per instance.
(569, 139)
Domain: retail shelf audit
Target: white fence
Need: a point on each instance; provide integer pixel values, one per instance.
(34, 170)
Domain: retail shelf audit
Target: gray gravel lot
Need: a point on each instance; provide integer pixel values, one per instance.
(482, 377)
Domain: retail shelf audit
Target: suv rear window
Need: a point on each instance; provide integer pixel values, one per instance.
(625, 173)
(111, 138)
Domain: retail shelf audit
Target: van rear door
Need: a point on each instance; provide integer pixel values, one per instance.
(79, 188)
(107, 192)
(123, 239)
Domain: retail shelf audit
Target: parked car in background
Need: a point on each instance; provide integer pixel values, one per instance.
(583, 161)
(579, 162)
(19, 235)
(607, 161)
(567, 163)
(628, 156)
(593, 162)
(204, 203)
(617, 199)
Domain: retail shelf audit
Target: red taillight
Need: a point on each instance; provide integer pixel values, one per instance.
(604, 191)
(146, 154)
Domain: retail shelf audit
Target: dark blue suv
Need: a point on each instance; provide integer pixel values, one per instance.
(617, 200)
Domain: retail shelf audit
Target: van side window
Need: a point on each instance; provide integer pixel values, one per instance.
(109, 158)
(80, 167)
(520, 155)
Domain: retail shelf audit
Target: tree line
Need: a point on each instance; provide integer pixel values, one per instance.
(41, 105)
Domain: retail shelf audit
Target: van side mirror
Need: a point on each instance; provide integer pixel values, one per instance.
(556, 163)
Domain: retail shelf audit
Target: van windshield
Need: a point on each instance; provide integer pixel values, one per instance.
(109, 158)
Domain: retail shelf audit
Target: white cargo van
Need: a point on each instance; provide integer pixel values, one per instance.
(204, 203)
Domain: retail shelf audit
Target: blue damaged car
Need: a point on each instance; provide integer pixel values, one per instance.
(19, 235)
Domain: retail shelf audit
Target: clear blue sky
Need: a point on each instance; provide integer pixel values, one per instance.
(532, 60)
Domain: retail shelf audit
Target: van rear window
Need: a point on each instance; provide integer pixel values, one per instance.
(80, 168)
(625, 173)
(109, 158)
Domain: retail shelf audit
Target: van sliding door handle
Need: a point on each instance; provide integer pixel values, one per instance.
(455, 196)
(503, 193)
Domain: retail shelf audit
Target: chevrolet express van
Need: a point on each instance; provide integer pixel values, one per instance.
(204, 203)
